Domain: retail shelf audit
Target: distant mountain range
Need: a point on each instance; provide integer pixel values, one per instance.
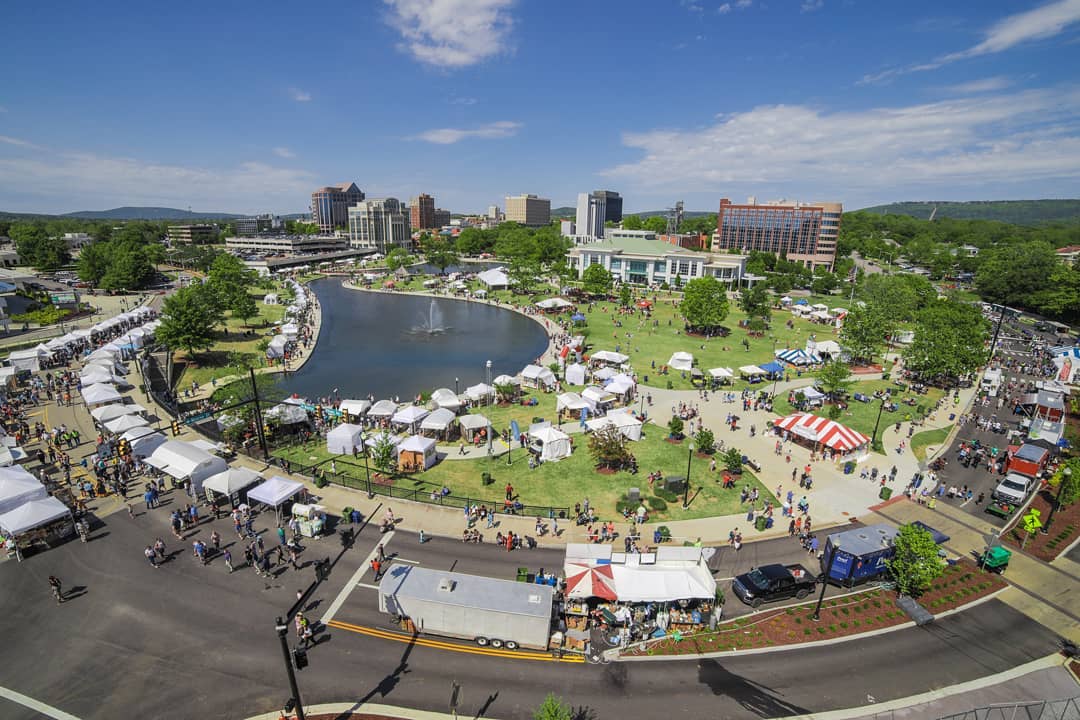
(1017, 212)
(150, 213)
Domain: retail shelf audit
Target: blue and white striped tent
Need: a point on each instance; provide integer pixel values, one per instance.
(797, 357)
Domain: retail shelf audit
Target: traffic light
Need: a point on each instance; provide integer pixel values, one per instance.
(175, 427)
(345, 417)
(124, 447)
(300, 658)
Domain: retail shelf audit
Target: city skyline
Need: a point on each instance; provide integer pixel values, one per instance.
(816, 100)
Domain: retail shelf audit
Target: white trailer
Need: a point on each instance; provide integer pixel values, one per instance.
(487, 611)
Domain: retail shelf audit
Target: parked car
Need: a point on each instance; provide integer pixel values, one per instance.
(769, 583)
(1014, 488)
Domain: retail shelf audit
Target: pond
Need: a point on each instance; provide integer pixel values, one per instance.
(385, 344)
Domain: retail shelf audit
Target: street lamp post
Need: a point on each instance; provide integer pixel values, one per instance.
(997, 329)
(873, 439)
(1065, 475)
(825, 581)
(686, 490)
(282, 628)
(457, 390)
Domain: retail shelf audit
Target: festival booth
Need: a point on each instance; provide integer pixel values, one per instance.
(538, 377)
(825, 349)
(623, 420)
(310, 518)
(277, 347)
(549, 444)
(290, 330)
(43, 523)
(231, 483)
(607, 357)
(446, 399)
(416, 452)
(18, 486)
(438, 422)
(475, 429)
(821, 433)
(382, 410)
(98, 374)
(10, 453)
(576, 374)
(721, 375)
(773, 370)
(9, 377)
(287, 414)
(622, 386)
(270, 299)
(354, 408)
(605, 373)
(26, 359)
(681, 361)
(345, 439)
(144, 441)
(598, 399)
(480, 394)
(494, 279)
(276, 492)
(184, 461)
(513, 382)
(555, 304)
(571, 402)
(812, 396)
(126, 422)
(100, 394)
(409, 417)
(751, 372)
(638, 595)
(798, 358)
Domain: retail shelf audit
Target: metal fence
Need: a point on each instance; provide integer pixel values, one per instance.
(1031, 710)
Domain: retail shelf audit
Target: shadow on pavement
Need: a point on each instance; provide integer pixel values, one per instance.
(755, 698)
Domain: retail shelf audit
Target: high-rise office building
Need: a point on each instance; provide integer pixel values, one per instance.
(422, 212)
(801, 232)
(528, 210)
(612, 205)
(191, 234)
(258, 225)
(493, 213)
(591, 211)
(330, 205)
(442, 218)
(379, 224)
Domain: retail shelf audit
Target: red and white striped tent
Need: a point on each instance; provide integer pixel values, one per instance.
(824, 431)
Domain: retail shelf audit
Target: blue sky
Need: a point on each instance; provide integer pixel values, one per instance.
(247, 107)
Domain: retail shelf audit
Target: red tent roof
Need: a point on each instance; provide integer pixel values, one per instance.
(584, 580)
(818, 429)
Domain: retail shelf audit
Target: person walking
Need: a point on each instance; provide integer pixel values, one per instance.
(151, 556)
(57, 588)
(280, 534)
(227, 556)
(376, 568)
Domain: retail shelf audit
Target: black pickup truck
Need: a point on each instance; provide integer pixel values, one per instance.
(773, 582)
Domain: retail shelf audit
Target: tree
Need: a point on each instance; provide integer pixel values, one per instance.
(188, 319)
(609, 449)
(1071, 492)
(596, 280)
(94, 262)
(504, 391)
(440, 252)
(633, 222)
(863, 332)
(1012, 274)
(129, 267)
(915, 564)
(706, 441)
(522, 274)
(756, 303)
(675, 428)
(833, 377)
(243, 306)
(656, 223)
(553, 708)
(705, 304)
(384, 455)
(398, 258)
(36, 247)
(732, 459)
(626, 298)
(949, 340)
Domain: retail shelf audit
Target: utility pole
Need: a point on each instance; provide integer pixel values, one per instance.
(997, 329)
(258, 416)
(282, 628)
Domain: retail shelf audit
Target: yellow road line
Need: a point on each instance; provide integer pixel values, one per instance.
(440, 645)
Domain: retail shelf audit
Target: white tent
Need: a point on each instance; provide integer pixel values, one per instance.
(447, 399)
(409, 416)
(270, 299)
(681, 361)
(605, 373)
(184, 460)
(287, 414)
(111, 365)
(575, 374)
(472, 424)
(571, 402)
(721, 373)
(33, 514)
(355, 408)
(626, 423)
(553, 445)
(555, 303)
(506, 380)
(105, 413)
(344, 439)
(438, 421)
(481, 392)
(751, 371)
(144, 441)
(536, 375)
(620, 385)
(417, 452)
(824, 347)
(25, 360)
(494, 278)
(290, 330)
(231, 481)
(276, 348)
(97, 374)
(607, 356)
(125, 423)
(18, 486)
(597, 397)
(100, 394)
(382, 409)
(275, 491)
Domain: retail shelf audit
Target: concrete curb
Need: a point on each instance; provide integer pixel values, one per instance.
(813, 643)
(371, 708)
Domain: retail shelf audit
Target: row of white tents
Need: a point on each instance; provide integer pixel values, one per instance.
(31, 359)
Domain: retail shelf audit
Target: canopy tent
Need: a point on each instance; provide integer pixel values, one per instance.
(824, 431)
(275, 492)
(445, 398)
(144, 441)
(345, 439)
(668, 575)
(605, 373)
(624, 422)
(111, 364)
(551, 444)
(355, 408)
(472, 424)
(811, 393)
(797, 357)
(409, 416)
(772, 368)
(494, 278)
(416, 452)
(584, 580)
(823, 347)
(96, 374)
(480, 392)
(597, 397)
(231, 481)
(506, 380)
(7, 375)
(105, 413)
(100, 394)
(25, 360)
(33, 514)
(575, 374)
(607, 356)
(290, 330)
(270, 299)
(287, 414)
(184, 460)
(18, 486)
(721, 373)
(537, 376)
(383, 409)
(438, 421)
(555, 303)
(276, 348)
(681, 361)
(751, 371)
(11, 454)
(125, 423)
(570, 401)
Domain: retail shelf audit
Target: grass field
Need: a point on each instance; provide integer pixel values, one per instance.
(929, 438)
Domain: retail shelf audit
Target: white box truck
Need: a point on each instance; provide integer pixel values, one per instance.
(487, 611)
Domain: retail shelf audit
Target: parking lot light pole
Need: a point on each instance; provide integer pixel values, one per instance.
(686, 490)
(873, 439)
(282, 628)
(825, 581)
(1065, 475)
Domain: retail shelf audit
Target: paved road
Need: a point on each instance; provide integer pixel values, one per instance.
(187, 640)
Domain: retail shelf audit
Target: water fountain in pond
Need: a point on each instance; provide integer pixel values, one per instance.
(433, 324)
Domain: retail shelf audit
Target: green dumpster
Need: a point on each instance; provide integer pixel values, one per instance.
(886, 492)
(996, 559)
(760, 522)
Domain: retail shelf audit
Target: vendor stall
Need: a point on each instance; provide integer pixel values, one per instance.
(474, 428)
(438, 423)
(105, 413)
(184, 461)
(607, 357)
(382, 410)
(345, 439)
(416, 453)
(232, 484)
(409, 417)
(277, 492)
(536, 376)
(681, 360)
(820, 433)
(310, 518)
(447, 399)
(480, 394)
(575, 374)
(549, 444)
(43, 522)
(356, 409)
(100, 394)
(17, 486)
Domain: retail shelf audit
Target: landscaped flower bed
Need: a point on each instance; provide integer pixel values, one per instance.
(1063, 530)
(843, 616)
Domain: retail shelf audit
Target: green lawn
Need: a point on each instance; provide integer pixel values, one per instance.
(929, 438)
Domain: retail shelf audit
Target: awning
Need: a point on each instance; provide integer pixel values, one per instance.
(275, 491)
(818, 429)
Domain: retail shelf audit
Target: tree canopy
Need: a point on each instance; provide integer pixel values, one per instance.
(189, 317)
(36, 247)
(916, 563)
(596, 280)
(705, 304)
(949, 340)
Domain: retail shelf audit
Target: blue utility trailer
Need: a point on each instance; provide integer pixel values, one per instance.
(863, 552)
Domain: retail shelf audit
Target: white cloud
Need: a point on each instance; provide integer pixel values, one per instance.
(1038, 24)
(723, 9)
(299, 95)
(743, 4)
(692, 5)
(8, 140)
(284, 152)
(451, 33)
(811, 5)
(449, 136)
(990, 84)
(463, 101)
(1008, 138)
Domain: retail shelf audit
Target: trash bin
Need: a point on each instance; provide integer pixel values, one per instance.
(759, 522)
(849, 467)
(952, 416)
(886, 492)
